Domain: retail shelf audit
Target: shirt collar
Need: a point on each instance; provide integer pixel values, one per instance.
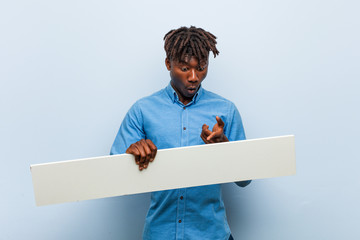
(174, 97)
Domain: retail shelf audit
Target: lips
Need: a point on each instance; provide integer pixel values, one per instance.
(191, 90)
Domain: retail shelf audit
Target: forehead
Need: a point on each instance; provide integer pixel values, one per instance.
(193, 60)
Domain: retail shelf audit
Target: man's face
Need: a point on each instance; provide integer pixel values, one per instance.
(186, 76)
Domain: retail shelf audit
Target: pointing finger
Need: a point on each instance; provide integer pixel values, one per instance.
(220, 122)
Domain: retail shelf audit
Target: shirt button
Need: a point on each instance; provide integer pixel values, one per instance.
(179, 221)
(181, 197)
(184, 128)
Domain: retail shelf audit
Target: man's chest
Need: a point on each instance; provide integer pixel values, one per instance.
(177, 126)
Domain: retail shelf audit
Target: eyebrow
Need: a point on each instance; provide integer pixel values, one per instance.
(187, 64)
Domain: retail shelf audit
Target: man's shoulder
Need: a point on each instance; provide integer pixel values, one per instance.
(211, 96)
(154, 96)
(152, 99)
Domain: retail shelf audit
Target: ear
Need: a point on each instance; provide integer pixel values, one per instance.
(168, 64)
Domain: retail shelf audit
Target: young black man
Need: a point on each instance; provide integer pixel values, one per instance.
(176, 116)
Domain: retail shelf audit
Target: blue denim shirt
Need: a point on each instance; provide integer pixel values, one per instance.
(187, 213)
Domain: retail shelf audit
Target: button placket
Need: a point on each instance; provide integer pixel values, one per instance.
(180, 215)
(184, 127)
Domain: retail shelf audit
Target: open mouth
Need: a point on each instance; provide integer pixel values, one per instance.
(192, 90)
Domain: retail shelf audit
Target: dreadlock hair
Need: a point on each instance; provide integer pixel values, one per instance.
(186, 42)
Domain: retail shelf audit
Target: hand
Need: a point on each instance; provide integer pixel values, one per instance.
(216, 135)
(144, 152)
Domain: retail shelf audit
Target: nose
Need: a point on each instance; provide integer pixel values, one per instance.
(193, 77)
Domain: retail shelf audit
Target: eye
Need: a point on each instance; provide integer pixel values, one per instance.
(201, 69)
(184, 69)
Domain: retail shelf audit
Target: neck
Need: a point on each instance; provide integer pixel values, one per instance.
(185, 101)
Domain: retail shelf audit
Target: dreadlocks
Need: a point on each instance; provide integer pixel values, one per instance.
(184, 42)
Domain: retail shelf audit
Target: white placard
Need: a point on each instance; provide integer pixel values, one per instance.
(173, 168)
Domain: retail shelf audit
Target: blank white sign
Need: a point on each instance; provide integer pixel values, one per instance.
(118, 175)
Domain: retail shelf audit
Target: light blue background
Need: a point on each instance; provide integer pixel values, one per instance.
(70, 70)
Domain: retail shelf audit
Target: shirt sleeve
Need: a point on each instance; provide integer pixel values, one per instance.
(235, 129)
(235, 133)
(131, 130)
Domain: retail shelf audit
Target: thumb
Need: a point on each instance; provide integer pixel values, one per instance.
(213, 134)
